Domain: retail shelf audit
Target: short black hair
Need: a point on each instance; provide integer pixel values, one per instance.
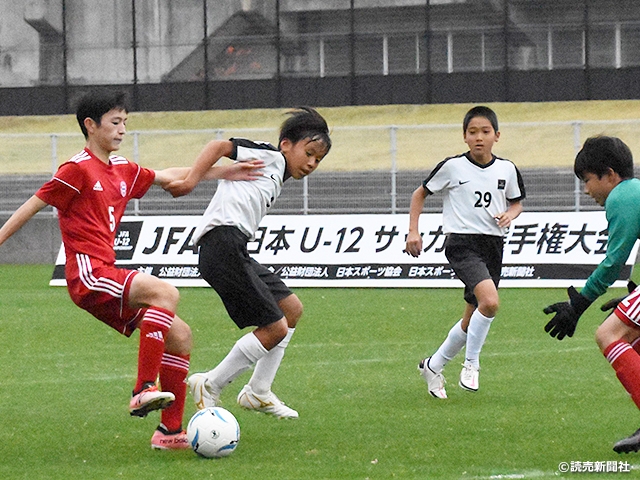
(95, 104)
(305, 122)
(601, 153)
(480, 111)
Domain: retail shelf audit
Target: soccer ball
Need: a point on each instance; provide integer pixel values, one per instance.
(213, 432)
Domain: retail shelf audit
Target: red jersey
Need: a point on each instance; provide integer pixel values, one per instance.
(91, 198)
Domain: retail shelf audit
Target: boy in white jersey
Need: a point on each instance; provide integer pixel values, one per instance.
(90, 193)
(482, 198)
(252, 295)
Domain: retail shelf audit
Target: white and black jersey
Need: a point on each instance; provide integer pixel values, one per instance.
(474, 193)
(243, 204)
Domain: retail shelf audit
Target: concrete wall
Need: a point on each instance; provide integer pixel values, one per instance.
(37, 242)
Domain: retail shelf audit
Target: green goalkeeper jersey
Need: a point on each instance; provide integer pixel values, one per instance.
(622, 208)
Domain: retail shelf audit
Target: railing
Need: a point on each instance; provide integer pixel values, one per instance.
(370, 169)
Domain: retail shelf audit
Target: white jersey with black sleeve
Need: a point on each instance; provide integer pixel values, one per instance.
(474, 193)
(244, 204)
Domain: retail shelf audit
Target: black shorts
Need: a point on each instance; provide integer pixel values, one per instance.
(249, 291)
(474, 258)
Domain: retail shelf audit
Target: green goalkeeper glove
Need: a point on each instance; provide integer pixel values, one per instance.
(566, 315)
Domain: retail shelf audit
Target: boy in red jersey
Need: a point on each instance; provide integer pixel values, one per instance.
(90, 193)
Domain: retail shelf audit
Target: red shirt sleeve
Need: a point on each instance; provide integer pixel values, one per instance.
(144, 178)
(65, 185)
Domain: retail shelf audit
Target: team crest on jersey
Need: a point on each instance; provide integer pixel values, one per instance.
(123, 189)
(502, 184)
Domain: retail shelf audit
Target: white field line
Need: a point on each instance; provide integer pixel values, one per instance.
(400, 358)
(526, 474)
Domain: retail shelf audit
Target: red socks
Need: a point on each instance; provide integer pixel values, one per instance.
(153, 328)
(173, 374)
(154, 362)
(626, 362)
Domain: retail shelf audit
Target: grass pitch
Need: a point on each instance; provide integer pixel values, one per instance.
(350, 371)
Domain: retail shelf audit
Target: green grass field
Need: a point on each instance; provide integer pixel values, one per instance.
(350, 371)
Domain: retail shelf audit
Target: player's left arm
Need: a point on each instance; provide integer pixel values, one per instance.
(505, 218)
(166, 176)
(206, 159)
(515, 193)
(237, 171)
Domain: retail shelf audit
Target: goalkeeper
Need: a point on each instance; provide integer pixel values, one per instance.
(605, 165)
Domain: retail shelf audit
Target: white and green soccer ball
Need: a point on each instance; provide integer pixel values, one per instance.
(213, 432)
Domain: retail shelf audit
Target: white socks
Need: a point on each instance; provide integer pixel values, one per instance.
(476, 335)
(247, 351)
(474, 339)
(267, 366)
(451, 346)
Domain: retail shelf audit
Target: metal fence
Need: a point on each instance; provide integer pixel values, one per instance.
(145, 41)
(369, 169)
(223, 54)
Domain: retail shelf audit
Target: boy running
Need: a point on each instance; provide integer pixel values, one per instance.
(90, 193)
(605, 165)
(252, 295)
(482, 198)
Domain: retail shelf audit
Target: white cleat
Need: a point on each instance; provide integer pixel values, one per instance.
(435, 381)
(202, 397)
(469, 377)
(268, 403)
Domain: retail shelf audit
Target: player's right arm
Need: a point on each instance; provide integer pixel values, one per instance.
(21, 216)
(414, 239)
(623, 225)
(207, 158)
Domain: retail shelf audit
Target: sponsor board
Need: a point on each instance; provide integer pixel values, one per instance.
(542, 249)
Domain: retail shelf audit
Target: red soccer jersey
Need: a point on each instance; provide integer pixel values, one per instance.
(91, 198)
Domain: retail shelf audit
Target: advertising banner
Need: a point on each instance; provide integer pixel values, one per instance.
(542, 249)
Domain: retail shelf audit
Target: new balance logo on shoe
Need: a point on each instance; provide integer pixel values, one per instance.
(157, 335)
(98, 187)
(162, 440)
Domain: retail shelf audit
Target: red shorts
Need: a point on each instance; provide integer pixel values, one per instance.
(103, 291)
(628, 310)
